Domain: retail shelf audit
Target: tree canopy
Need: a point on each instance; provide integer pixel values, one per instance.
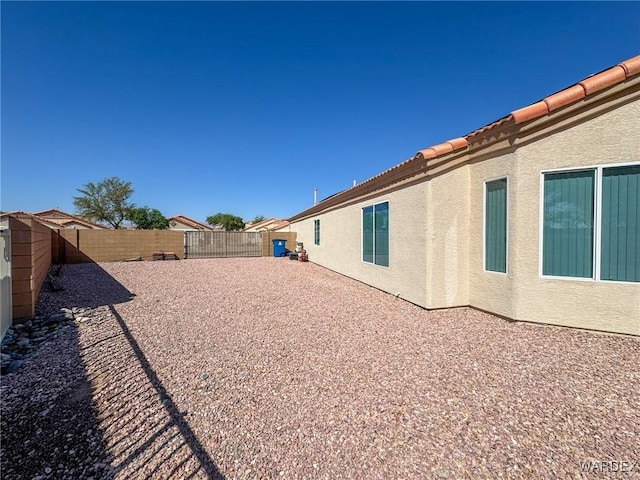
(227, 221)
(145, 218)
(107, 201)
(259, 218)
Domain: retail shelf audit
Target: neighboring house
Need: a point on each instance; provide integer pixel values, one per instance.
(268, 225)
(534, 217)
(66, 220)
(4, 219)
(180, 222)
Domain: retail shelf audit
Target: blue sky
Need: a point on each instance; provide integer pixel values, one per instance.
(245, 107)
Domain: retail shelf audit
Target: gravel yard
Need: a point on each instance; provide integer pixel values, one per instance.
(270, 368)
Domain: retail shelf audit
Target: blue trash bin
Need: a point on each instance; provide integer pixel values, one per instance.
(278, 247)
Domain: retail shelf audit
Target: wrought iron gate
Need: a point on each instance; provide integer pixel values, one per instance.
(222, 244)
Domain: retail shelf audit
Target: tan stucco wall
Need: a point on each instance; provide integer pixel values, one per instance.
(340, 246)
(523, 294)
(447, 273)
(492, 291)
(436, 225)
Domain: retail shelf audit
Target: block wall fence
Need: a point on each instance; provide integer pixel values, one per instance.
(30, 262)
(87, 246)
(268, 237)
(35, 247)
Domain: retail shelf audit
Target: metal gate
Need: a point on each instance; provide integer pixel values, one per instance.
(222, 244)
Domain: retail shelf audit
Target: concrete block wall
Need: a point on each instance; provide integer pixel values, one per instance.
(30, 262)
(267, 244)
(86, 246)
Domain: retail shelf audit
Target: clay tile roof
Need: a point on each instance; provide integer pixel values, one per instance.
(565, 97)
(603, 80)
(631, 66)
(190, 222)
(590, 85)
(530, 112)
(55, 211)
(442, 148)
(67, 218)
(41, 220)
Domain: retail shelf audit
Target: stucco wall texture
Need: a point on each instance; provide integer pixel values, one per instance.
(340, 246)
(437, 226)
(523, 293)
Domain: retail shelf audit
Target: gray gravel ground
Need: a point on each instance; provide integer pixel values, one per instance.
(270, 368)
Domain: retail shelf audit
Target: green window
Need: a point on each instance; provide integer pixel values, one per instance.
(316, 232)
(568, 224)
(592, 215)
(375, 234)
(495, 233)
(620, 225)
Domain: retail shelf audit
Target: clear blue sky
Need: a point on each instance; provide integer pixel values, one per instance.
(245, 107)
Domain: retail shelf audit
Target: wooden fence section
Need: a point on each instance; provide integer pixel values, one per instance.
(86, 246)
(268, 237)
(30, 262)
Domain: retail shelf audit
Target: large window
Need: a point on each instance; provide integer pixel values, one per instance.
(495, 226)
(316, 232)
(591, 226)
(375, 234)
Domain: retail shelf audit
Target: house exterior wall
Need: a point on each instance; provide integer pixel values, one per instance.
(523, 293)
(447, 239)
(493, 291)
(340, 246)
(436, 231)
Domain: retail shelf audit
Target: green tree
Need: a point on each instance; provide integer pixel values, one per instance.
(107, 201)
(227, 221)
(145, 218)
(259, 218)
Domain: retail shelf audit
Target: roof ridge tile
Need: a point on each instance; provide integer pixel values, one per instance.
(605, 79)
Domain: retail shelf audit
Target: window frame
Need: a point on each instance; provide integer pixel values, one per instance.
(316, 232)
(484, 227)
(362, 260)
(596, 254)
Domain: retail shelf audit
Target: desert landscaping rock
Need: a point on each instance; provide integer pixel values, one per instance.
(266, 368)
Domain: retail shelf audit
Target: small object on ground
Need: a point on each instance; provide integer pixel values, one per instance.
(158, 256)
(293, 256)
(303, 256)
(170, 256)
(55, 282)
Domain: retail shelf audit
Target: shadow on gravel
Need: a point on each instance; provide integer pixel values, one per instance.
(49, 424)
(88, 404)
(181, 431)
(86, 285)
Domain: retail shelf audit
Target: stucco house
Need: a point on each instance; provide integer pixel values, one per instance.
(180, 222)
(534, 217)
(268, 225)
(66, 220)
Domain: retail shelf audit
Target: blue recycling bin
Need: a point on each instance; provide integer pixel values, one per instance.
(278, 247)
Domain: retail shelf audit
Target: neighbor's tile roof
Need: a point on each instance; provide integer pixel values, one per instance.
(67, 218)
(19, 213)
(414, 165)
(190, 222)
(263, 223)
